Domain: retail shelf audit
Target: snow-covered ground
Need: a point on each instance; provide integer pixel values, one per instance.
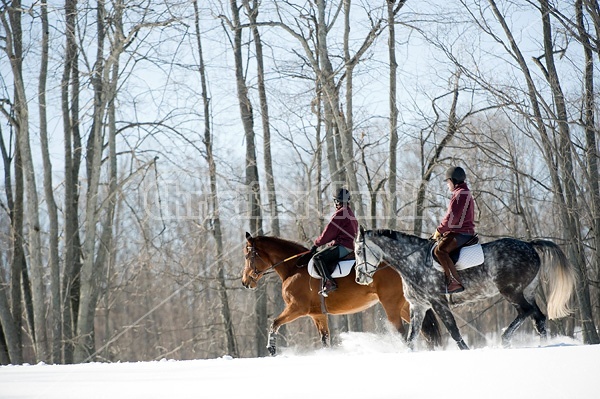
(363, 366)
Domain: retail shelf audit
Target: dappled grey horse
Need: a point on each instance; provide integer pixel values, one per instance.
(512, 268)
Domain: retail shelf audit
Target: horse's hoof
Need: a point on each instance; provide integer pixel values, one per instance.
(272, 350)
(462, 345)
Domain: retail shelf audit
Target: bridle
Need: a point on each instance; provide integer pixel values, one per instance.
(371, 266)
(252, 255)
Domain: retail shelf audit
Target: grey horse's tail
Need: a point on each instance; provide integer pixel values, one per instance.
(558, 277)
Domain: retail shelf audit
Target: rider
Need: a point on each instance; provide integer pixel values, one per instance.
(339, 234)
(457, 227)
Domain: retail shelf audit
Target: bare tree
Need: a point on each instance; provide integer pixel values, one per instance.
(393, 64)
(13, 51)
(11, 317)
(252, 179)
(70, 89)
(588, 120)
(8, 329)
(55, 312)
(252, 11)
(569, 194)
(214, 197)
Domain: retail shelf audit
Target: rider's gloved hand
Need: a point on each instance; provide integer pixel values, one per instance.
(435, 236)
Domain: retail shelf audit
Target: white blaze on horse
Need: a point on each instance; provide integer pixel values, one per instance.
(511, 268)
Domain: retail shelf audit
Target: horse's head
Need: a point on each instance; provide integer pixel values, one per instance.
(253, 264)
(368, 256)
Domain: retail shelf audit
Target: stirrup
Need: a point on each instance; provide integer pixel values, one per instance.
(325, 290)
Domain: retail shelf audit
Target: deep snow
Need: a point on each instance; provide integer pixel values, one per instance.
(363, 366)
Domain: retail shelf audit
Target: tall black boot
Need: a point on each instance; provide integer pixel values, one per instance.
(328, 284)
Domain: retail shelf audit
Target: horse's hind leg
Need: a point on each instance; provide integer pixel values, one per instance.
(516, 323)
(524, 309)
(444, 313)
(396, 310)
(320, 321)
(539, 321)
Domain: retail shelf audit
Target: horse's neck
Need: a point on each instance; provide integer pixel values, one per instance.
(278, 251)
(413, 250)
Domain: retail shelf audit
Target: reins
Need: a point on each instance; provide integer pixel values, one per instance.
(364, 256)
(428, 257)
(253, 253)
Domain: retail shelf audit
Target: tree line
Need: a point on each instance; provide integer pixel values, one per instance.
(140, 140)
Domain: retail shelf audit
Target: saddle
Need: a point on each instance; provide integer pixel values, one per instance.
(468, 254)
(340, 269)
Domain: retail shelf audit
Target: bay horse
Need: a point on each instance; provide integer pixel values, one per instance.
(266, 254)
(512, 268)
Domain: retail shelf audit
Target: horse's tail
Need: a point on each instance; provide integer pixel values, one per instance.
(431, 329)
(558, 276)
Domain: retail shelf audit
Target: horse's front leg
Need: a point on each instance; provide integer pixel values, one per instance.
(447, 317)
(272, 342)
(289, 314)
(417, 314)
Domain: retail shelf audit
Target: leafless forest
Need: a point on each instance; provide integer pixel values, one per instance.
(141, 139)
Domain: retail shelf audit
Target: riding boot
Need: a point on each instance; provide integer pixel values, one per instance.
(328, 284)
(454, 285)
(446, 245)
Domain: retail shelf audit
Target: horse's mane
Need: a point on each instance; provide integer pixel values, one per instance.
(281, 242)
(395, 235)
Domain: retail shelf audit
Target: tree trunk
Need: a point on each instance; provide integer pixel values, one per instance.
(274, 284)
(13, 49)
(84, 346)
(570, 211)
(392, 179)
(264, 111)
(8, 328)
(591, 150)
(18, 264)
(214, 199)
(325, 78)
(252, 181)
(73, 152)
(55, 303)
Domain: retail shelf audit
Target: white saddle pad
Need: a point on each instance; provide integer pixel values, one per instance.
(342, 269)
(470, 256)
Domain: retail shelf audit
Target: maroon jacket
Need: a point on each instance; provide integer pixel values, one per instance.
(341, 229)
(460, 217)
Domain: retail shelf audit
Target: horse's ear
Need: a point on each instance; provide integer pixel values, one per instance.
(362, 230)
(248, 236)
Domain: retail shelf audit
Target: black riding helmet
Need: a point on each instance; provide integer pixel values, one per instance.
(342, 196)
(456, 174)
